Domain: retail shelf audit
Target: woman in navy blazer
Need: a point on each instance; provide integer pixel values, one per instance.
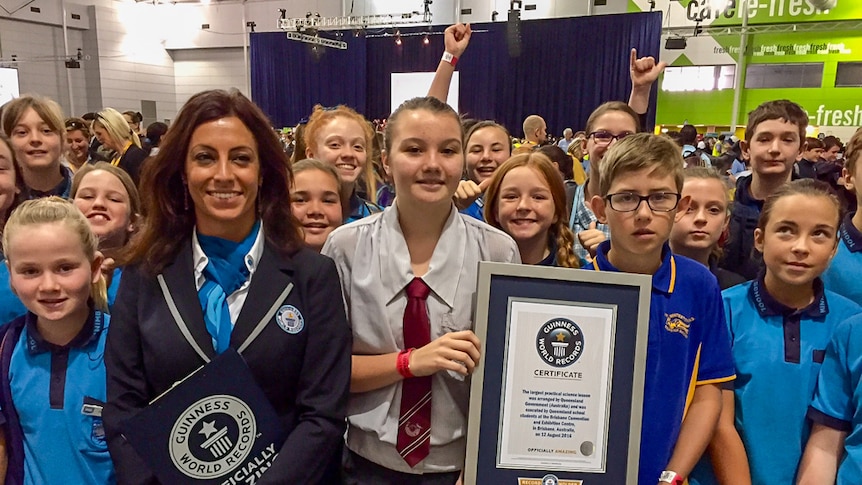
(221, 181)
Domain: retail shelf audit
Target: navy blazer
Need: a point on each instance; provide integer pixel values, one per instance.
(306, 375)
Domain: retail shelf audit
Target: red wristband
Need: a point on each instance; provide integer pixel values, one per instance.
(450, 58)
(403, 363)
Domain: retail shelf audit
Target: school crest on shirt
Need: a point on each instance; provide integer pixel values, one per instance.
(677, 323)
(212, 437)
(560, 342)
(290, 319)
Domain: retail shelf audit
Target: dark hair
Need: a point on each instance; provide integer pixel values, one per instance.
(810, 187)
(812, 143)
(169, 221)
(155, 132)
(427, 103)
(135, 116)
(831, 141)
(781, 109)
(687, 135)
(474, 127)
(88, 116)
(562, 159)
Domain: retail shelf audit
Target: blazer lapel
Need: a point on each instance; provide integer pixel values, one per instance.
(180, 279)
(271, 277)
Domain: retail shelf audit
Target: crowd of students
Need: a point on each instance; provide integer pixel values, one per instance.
(124, 276)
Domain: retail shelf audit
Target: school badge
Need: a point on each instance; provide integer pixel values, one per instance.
(560, 342)
(212, 437)
(678, 323)
(290, 319)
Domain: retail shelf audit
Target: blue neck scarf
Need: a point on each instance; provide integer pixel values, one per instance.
(225, 273)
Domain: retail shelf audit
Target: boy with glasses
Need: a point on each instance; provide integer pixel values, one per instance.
(688, 354)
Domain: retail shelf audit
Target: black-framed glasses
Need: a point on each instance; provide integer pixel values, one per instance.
(657, 201)
(603, 137)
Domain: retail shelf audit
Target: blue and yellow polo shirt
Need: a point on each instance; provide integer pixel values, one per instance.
(778, 351)
(688, 346)
(842, 275)
(838, 396)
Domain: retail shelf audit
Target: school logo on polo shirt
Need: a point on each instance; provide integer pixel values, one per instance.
(678, 323)
(560, 342)
(290, 319)
(212, 437)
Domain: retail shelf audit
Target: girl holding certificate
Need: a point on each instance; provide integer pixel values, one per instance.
(409, 278)
(220, 264)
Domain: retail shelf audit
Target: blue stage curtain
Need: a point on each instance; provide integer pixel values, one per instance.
(288, 78)
(567, 68)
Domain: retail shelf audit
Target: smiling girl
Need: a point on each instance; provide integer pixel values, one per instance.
(527, 200)
(409, 277)
(343, 138)
(52, 371)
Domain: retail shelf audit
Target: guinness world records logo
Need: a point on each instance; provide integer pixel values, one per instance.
(560, 342)
(212, 437)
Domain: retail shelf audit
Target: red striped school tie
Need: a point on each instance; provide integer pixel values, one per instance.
(414, 422)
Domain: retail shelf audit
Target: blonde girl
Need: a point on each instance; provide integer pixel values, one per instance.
(52, 372)
(527, 200)
(114, 132)
(343, 138)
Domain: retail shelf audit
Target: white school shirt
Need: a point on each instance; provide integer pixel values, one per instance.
(374, 265)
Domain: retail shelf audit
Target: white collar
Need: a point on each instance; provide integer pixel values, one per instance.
(251, 259)
(446, 262)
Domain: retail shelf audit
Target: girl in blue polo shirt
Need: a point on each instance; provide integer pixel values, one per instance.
(52, 372)
(527, 200)
(779, 325)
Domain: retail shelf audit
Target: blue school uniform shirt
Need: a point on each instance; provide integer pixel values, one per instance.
(10, 306)
(360, 208)
(778, 351)
(115, 286)
(476, 210)
(837, 399)
(50, 385)
(688, 346)
(842, 275)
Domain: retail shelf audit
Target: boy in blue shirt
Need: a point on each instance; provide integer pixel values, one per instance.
(774, 142)
(842, 276)
(688, 354)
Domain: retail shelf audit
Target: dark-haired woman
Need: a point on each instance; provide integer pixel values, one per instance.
(221, 239)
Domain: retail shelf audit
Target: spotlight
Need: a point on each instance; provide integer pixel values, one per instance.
(397, 37)
(426, 40)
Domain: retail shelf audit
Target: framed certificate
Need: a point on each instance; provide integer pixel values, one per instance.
(557, 397)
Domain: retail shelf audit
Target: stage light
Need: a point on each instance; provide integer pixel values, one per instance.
(426, 40)
(397, 37)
